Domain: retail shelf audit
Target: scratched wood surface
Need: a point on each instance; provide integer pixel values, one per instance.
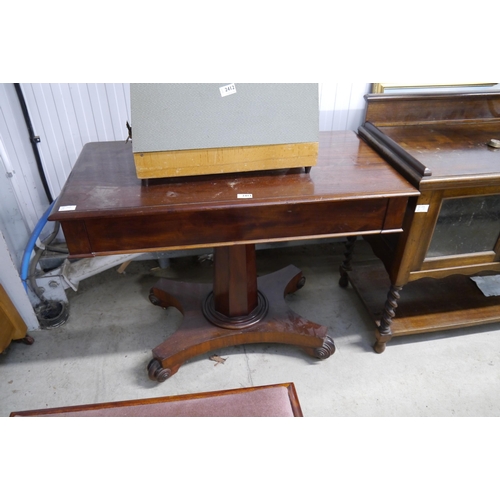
(448, 133)
(451, 150)
(104, 208)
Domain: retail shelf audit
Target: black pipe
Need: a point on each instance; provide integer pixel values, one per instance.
(34, 140)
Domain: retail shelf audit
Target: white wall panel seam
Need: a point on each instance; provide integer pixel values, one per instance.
(14, 179)
(40, 124)
(68, 124)
(108, 108)
(118, 120)
(60, 115)
(17, 161)
(82, 119)
(91, 110)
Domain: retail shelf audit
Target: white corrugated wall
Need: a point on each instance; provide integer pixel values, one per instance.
(341, 105)
(68, 115)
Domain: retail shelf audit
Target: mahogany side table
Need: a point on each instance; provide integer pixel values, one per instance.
(105, 209)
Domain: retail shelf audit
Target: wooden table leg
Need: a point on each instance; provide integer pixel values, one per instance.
(345, 267)
(238, 309)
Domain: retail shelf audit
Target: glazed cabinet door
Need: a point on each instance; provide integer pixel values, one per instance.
(468, 225)
(462, 231)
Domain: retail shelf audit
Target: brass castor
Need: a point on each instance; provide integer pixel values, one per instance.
(154, 299)
(301, 282)
(157, 372)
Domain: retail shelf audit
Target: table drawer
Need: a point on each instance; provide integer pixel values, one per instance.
(240, 224)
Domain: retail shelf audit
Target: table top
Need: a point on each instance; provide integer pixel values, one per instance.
(451, 150)
(256, 206)
(438, 140)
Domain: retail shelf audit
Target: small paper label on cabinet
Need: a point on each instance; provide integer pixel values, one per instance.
(66, 208)
(245, 195)
(227, 90)
(422, 208)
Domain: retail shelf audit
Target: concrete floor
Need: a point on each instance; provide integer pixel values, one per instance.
(100, 354)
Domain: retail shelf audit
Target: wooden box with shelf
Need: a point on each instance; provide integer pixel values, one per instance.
(439, 142)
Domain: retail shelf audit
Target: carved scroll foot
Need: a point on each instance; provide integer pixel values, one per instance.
(346, 264)
(198, 334)
(384, 332)
(324, 351)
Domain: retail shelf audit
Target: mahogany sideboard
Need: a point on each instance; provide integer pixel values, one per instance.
(441, 143)
(105, 209)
